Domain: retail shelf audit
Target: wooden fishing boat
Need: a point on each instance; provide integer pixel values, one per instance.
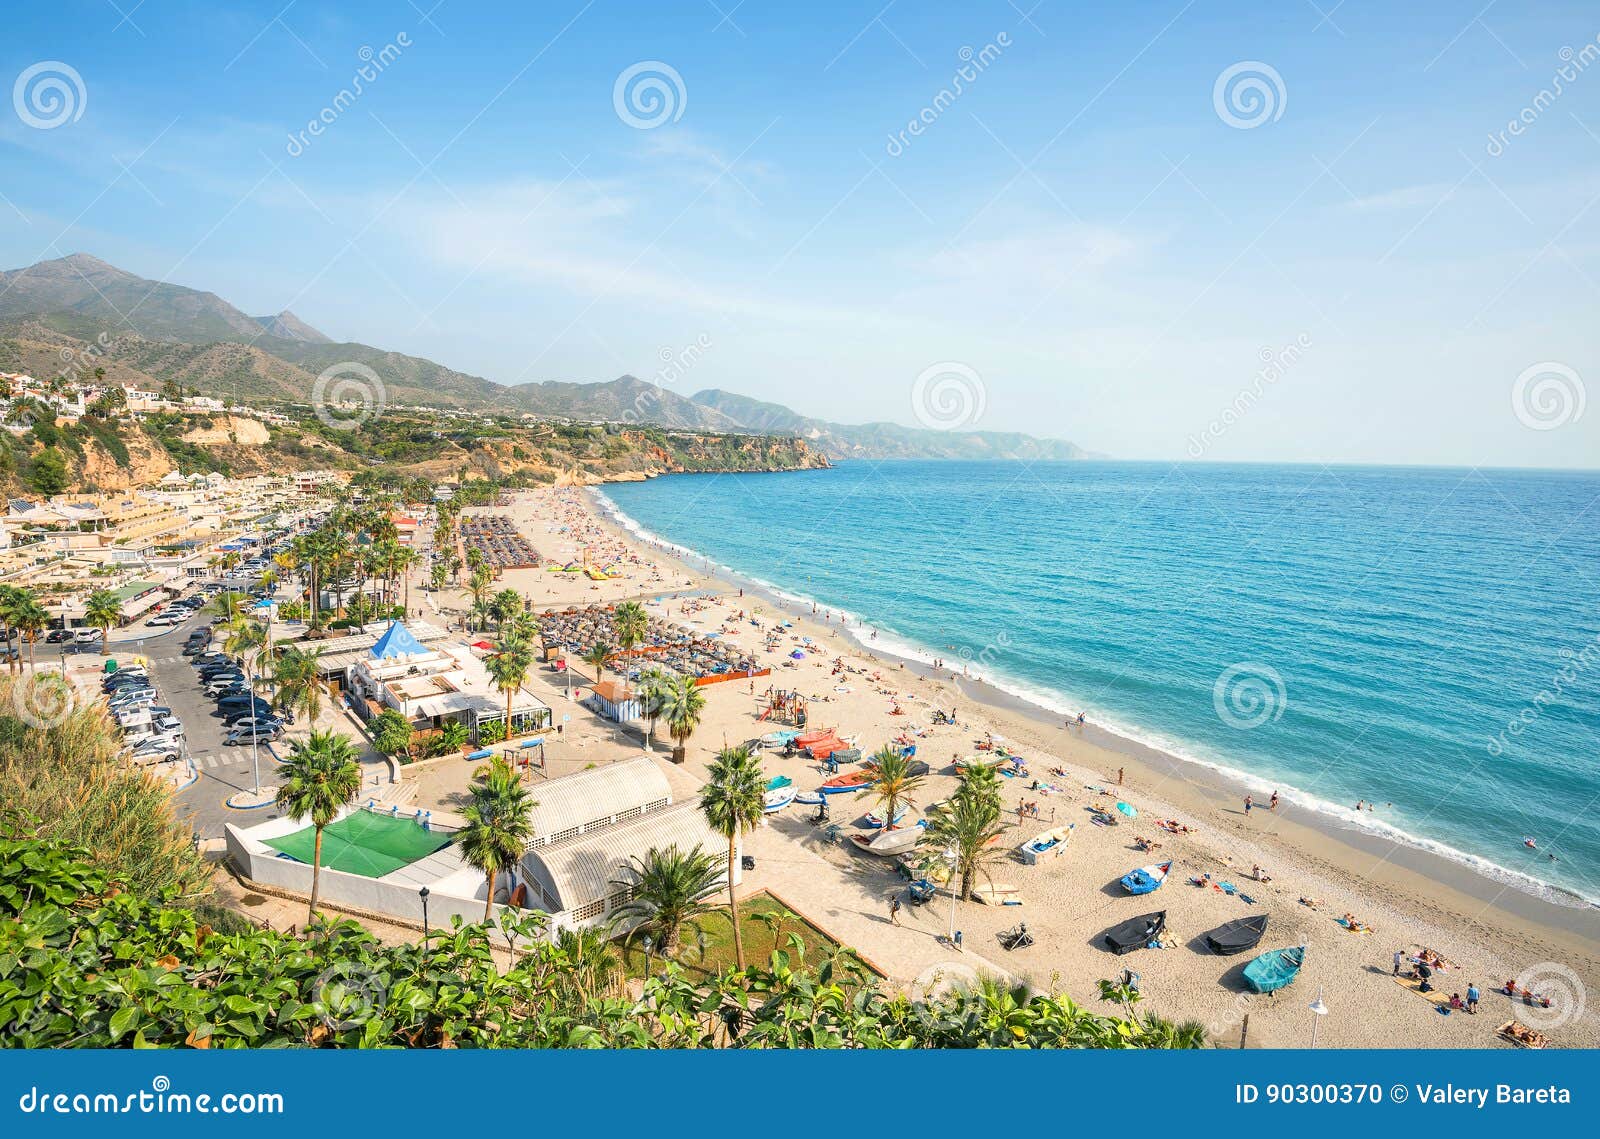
(997, 894)
(779, 794)
(849, 781)
(875, 820)
(889, 842)
(1275, 969)
(1046, 844)
(1135, 933)
(1146, 879)
(1236, 936)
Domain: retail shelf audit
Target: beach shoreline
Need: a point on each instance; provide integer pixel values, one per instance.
(1355, 849)
(1423, 879)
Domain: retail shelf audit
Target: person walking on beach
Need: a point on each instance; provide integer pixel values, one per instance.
(1274, 804)
(894, 910)
(1119, 777)
(1472, 996)
(1248, 803)
(1399, 956)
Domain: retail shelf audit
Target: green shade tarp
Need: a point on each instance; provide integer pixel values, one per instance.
(364, 843)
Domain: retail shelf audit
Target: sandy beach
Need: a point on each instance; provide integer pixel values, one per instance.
(1407, 897)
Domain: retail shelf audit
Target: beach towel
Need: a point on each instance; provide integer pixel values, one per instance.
(1414, 985)
(1247, 899)
(1227, 888)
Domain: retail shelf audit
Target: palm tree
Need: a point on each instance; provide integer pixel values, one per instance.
(733, 801)
(896, 782)
(244, 637)
(499, 825)
(653, 682)
(30, 618)
(682, 706)
(319, 778)
(632, 625)
(965, 831)
(10, 599)
(508, 668)
(596, 659)
(478, 584)
(102, 611)
(297, 676)
(504, 606)
(667, 892)
(525, 626)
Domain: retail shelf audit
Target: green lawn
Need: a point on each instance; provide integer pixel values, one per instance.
(758, 939)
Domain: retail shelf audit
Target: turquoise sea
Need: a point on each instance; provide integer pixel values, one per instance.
(1426, 638)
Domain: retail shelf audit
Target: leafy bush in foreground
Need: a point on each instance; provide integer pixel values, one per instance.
(85, 964)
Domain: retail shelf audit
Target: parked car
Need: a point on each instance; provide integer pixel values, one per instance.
(226, 672)
(57, 636)
(87, 636)
(164, 619)
(226, 685)
(136, 742)
(167, 724)
(238, 736)
(124, 677)
(163, 751)
(232, 716)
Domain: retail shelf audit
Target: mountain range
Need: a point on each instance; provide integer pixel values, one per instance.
(147, 332)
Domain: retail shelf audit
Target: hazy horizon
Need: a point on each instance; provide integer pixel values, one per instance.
(1266, 234)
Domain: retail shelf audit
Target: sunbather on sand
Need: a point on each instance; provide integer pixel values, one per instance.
(1311, 903)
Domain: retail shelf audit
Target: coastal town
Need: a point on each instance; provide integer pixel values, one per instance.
(531, 710)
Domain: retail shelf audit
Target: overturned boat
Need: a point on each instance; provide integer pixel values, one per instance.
(1135, 933)
(1237, 936)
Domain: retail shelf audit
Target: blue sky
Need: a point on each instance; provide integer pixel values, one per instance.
(1080, 235)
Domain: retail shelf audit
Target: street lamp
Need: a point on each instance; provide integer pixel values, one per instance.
(423, 894)
(954, 859)
(1321, 1011)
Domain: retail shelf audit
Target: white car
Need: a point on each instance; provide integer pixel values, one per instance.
(87, 636)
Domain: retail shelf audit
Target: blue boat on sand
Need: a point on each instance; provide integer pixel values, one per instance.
(1146, 879)
(1274, 969)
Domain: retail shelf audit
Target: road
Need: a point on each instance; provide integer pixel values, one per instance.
(223, 770)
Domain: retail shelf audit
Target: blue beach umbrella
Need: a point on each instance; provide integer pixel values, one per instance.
(1128, 809)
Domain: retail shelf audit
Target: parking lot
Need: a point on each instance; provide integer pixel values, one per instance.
(222, 770)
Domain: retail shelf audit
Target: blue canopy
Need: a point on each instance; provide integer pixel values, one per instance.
(397, 641)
